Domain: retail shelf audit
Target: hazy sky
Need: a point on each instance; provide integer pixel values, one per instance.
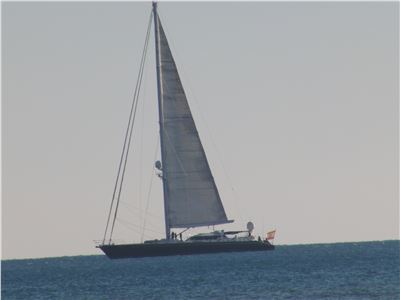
(296, 104)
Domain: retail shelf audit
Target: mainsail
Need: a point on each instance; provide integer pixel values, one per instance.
(191, 196)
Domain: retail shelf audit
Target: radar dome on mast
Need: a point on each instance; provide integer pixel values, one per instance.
(158, 165)
(250, 226)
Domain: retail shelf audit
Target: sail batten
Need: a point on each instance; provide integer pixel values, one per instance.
(192, 198)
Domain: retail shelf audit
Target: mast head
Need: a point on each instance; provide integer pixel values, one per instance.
(155, 5)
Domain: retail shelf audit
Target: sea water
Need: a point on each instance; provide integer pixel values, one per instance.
(367, 270)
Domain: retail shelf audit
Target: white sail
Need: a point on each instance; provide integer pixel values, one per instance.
(191, 196)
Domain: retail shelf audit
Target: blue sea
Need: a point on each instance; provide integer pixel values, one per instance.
(367, 270)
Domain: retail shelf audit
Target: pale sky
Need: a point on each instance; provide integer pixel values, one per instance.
(296, 105)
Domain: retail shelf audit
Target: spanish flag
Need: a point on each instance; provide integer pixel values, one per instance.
(271, 235)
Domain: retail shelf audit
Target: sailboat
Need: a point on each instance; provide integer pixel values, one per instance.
(191, 197)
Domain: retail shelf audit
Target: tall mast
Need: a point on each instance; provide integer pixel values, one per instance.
(160, 117)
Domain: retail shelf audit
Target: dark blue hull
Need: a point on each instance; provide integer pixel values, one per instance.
(183, 248)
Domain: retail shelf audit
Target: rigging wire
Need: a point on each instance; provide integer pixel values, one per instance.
(143, 108)
(128, 137)
(149, 191)
(141, 148)
(154, 222)
(135, 227)
(137, 92)
(136, 210)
